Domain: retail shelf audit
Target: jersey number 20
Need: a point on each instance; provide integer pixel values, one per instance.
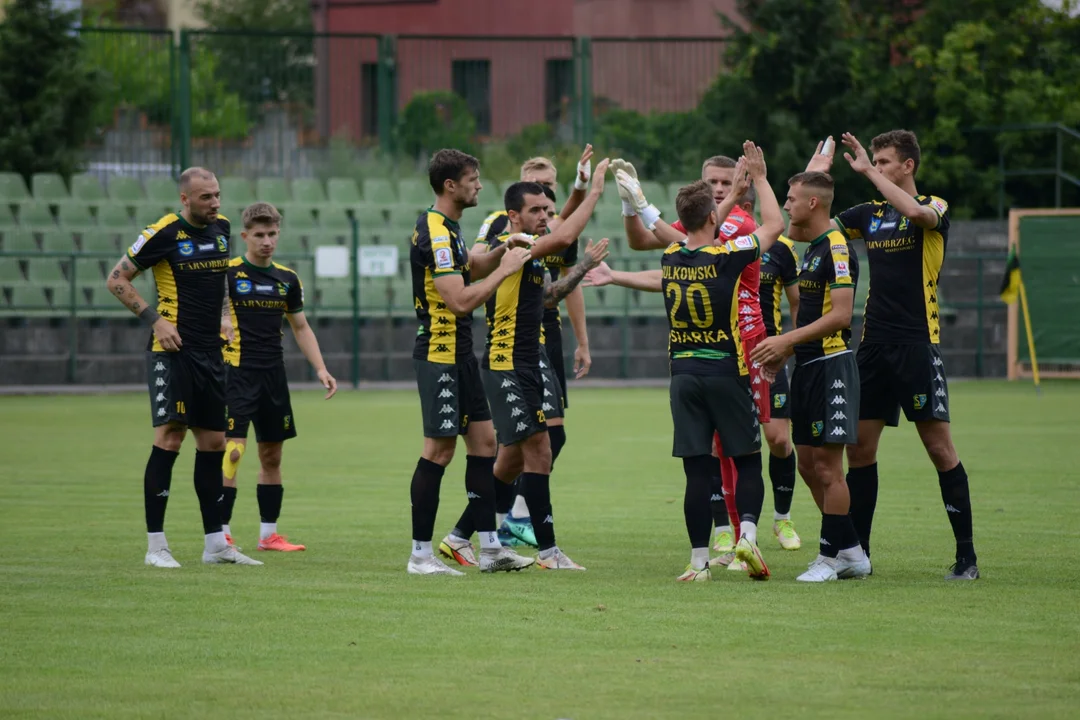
(703, 319)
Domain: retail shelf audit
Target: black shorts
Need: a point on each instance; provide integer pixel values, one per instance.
(779, 392)
(825, 402)
(911, 377)
(517, 399)
(552, 404)
(188, 387)
(451, 397)
(260, 397)
(704, 404)
(554, 346)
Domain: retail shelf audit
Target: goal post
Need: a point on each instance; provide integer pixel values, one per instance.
(1047, 242)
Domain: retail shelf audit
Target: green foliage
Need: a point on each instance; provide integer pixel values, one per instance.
(44, 91)
(435, 120)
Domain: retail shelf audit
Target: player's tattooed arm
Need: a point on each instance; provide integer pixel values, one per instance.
(227, 329)
(119, 284)
(555, 291)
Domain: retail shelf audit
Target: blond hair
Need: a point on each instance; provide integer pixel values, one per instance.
(535, 164)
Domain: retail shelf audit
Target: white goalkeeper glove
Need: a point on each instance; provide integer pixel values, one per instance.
(649, 213)
(617, 165)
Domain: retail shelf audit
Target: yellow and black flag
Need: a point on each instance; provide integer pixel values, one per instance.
(1010, 283)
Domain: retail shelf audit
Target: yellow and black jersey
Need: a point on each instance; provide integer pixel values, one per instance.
(260, 297)
(905, 262)
(498, 223)
(779, 269)
(189, 265)
(438, 250)
(829, 264)
(515, 315)
(701, 293)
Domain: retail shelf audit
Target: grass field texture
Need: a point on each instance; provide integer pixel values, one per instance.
(341, 631)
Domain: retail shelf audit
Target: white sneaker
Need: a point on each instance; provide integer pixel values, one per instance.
(503, 560)
(230, 555)
(161, 558)
(852, 564)
(823, 569)
(429, 565)
(557, 561)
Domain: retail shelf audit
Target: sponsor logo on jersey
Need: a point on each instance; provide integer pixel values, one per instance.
(729, 229)
(842, 269)
(444, 260)
(222, 243)
(243, 287)
(186, 247)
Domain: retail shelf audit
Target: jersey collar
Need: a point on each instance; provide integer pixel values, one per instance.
(820, 237)
(432, 209)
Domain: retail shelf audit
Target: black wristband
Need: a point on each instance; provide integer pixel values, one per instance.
(149, 316)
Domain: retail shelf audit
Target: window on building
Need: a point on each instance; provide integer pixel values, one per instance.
(472, 81)
(369, 99)
(558, 89)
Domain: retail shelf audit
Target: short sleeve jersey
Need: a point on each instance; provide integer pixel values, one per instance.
(740, 224)
(189, 266)
(515, 317)
(438, 250)
(701, 289)
(779, 269)
(260, 297)
(905, 264)
(829, 264)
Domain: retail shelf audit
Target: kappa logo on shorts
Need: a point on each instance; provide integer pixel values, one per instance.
(939, 378)
(159, 367)
(779, 400)
(546, 407)
(838, 384)
(757, 378)
(547, 393)
(839, 400)
(940, 408)
(160, 397)
(839, 416)
(160, 382)
(940, 392)
(446, 393)
(757, 396)
(816, 427)
(446, 410)
(937, 362)
(516, 412)
(507, 382)
(542, 365)
(920, 401)
(838, 431)
(521, 426)
(445, 377)
(161, 412)
(511, 397)
(446, 425)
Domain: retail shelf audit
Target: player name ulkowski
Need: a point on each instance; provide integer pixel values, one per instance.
(705, 272)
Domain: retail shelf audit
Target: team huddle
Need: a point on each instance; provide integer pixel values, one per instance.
(723, 278)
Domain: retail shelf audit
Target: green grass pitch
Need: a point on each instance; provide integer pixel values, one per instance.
(341, 631)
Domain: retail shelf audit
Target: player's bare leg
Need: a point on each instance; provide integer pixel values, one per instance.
(782, 476)
(157, 481)
(269, 493)
(955, 494)
(862, 478)
(234, 453)
(209, 458)
(839, 555)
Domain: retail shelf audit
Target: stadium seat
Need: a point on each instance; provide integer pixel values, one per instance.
(36, 215)
(7, 218)
(162, 189)
(297, 218)
(236, 190)
(413, 191)
(28, 297)
(373, 296)
(234, 213)
(49, 188)
(335, 293)
(613, 299)
(672, 192)
(127, 190)
(102, 241)
(149, 212)
(58, 241)
(370, 217)
(87, 189)
(607, 216)
(21, 241)
(89, 272)
(114, 216)
(329, 236)
(13, 188)
(654, 191)
(273, 190)
(308, 190)
(335, 219)
(343, 191)
(76, 216)
(10, 272)
(379, 191)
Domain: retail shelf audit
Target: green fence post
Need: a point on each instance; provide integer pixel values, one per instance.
(73, 329)
(624, 361)
(1001, 181)
(584, 67)
(354, 272)
(979, 318)
(174, 124)
(1058, 168)
(183, 101)
(387, 92)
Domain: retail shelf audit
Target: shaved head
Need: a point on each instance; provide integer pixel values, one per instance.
(200, 196)
(193, 173)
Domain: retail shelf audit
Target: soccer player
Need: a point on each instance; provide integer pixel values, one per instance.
(261, 291)
(447, 374)
(513, 378)
(710, 386)
(189, 255)
(515, 524)
(900, 365)
(825, 385)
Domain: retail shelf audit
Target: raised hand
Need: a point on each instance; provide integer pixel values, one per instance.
(515, 259)
(584, 169)
(599, 276)
(823, 156)
(595, 254)
(633, 190)
(861, 162)
(598, 177)
(755, 160)
(740, 181)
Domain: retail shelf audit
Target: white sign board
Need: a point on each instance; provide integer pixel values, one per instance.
(332, 261)
(378, 260)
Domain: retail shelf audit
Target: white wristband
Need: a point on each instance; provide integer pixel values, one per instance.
(628, 209)
(649, 216)
(579, 184)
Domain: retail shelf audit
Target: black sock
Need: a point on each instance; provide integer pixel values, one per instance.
(208, 487)
(557, 435)
(697, 509)
(782, 475)
(504, 496)
(424, 492)
(480, 489)
(465, 527)
(156, 483)
(538, 498)
(750, 488)
(228, 500)
(957, 499)
(850, 538)
(832, 534)
(863, 486)
(716, 498)
(269, 497)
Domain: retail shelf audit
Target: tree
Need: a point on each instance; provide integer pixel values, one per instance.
(45, 91)
(435, 120)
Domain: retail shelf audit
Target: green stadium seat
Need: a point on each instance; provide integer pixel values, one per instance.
(234, 213)
(101, 241)
(76, 216)
(162, 189)
(58, 241)
(114, 216)
(89, 272)
(298, 218)
(369, 217)
(49, 188)
(414, 191)
(149, 212)
(144, 284)
(330, 236)
(45, 271)
(127, 190)
(343, 191)
(373, 296)
(21, 241)
(87, 189)
(28, 297)
(335, 293)
(7, 218)
(273, 190)
(404, 215)
(379, 191)
(36, 215)
(672, 191)
(612, 299)
(335, 219)
(654, 191)
(607, 216)
(11, 272)
(13, 188)
(308, 190)
(236, 190)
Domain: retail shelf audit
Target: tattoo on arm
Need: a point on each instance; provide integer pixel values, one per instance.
(225, 300)
(115, 274)
(555, 291)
